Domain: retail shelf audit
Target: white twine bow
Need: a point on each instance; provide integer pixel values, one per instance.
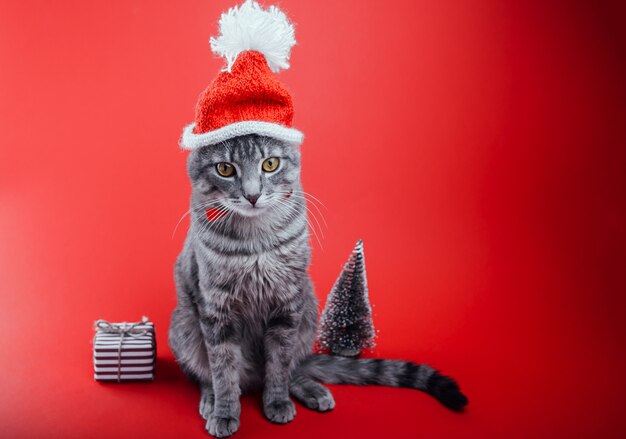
(123, 329)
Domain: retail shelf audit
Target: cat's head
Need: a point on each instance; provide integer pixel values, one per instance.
(247, 176)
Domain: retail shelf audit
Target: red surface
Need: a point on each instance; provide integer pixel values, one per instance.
(478, 148)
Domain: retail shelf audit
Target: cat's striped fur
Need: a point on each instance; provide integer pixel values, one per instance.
(246, 314)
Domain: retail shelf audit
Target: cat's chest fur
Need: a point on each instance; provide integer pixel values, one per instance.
(250, 285)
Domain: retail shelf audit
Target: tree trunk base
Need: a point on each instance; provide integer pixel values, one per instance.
(347, 352)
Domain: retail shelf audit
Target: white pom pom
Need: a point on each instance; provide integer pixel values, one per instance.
(250, 27)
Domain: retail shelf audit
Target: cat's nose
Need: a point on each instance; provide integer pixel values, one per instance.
(253, 198)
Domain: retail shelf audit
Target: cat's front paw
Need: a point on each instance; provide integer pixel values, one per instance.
(222, 426)
(206, 404)
(280, 412)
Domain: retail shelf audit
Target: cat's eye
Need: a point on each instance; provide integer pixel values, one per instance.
(225, 169)
(271, 164)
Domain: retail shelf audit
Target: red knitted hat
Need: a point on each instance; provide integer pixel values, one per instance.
(247, 97)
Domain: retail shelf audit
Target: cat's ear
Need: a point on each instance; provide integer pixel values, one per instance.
(250, 27)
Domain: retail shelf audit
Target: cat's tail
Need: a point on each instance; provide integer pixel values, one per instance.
(332, 369)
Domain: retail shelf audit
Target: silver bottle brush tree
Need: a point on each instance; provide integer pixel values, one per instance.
(346, 326)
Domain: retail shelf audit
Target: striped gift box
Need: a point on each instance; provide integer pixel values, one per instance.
(124, 351)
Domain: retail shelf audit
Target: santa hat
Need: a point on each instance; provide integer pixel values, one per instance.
(246, 97)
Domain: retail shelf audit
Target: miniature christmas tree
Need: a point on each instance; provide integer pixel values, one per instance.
(346, 325)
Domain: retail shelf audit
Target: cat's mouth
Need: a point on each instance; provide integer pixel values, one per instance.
(249, 210)
(244, 209)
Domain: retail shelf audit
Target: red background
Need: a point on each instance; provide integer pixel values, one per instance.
(478, 148)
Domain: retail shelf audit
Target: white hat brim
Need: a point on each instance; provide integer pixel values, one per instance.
(190, 141)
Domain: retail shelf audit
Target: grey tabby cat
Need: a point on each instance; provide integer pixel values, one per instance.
(246, 315)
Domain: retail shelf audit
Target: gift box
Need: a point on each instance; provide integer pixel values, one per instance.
(124, 351)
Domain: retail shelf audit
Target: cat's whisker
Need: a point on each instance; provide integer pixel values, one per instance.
(224, 219)
(309, 198)
(208, 203)
(199, 206)
(312, 196)
(221, 213)
(286, 209)
(280, 207)
(284, 203)
(289, 211)
(179, 221)
(312, 214)
(315, 233)
(314, 205)
(310, 211)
